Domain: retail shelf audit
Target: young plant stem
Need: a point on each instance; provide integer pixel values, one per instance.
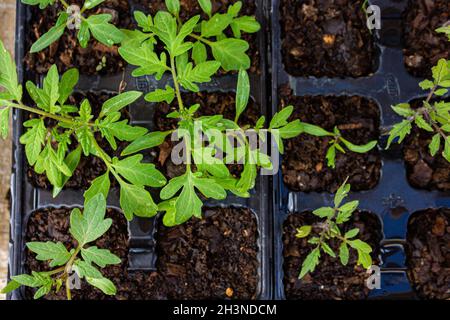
(175, 82)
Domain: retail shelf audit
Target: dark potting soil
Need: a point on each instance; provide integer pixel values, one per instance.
(304, 164)
(190, 8)
(330, 280)
(67, 53)
(428, 253)
(423, 170)
(326, 38)
(90, 167)
(213, 258)
(423, 45)
(211, 103)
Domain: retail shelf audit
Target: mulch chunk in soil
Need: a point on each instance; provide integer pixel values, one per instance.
(190, 8)
(90, 167)
(423, 170)
(330, 280)
(428, 253)
(67, 53)
(423, 45)
(326, 38)
(213, 258)
(304, 163)
(211, 103)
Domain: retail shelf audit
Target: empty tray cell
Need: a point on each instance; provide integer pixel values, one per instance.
(66, 52)
(423, 45)
(304, 165)
(215, 258)
(423, 170)
(326, 39)
(330, 279)
(90, 167)
(428, 253)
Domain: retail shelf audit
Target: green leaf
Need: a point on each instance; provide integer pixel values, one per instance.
(231, 53)
(27, 280)
(440, 71)
(105, 285)
(360, 245)
(435, 144)
(426, 84)
(173, 6)
(55, 252)
(199, 74)
(99, 185)
(148, 141)
(90, 225)
(103, 31)
(52, 35)
(331, 156)
(303, 232)
(310, 263)
(8, 74)
(146, 59)
(341, 194)
(160, 95)
(33, 139)
(216, 25)
(446, 152)
(280, 118)
(400, 131)
(4, 122)
(68, 82)
(10, 287)
(135, 200)
(84, 35)
(351, 233)
(326, 248)
(345, 212)
(138, 173)
(242, 92)
(165, 27)
(89, 4)
(359, 149)
(206, 6)
(51, 88)
(291, 130)
(344, 253)
(86, 138)
(86, 270)
(325, 212)
(199, 53)
(120, 101)
(421, 123)
(364, 259)
(403, 109)
(315, 130)
(246, 23)
(144, 21)
(101, 257)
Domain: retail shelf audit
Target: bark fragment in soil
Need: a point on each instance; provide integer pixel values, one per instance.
(330, 280)
(423, 45)
(190, 8)
(428, 253)
(326, 38)
(423, 170)
(90, 167)
(202, 259)
(66, 52)
(211, 103)
(304, 164)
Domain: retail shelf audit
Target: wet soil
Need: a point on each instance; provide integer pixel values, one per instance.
(423, 45)
(423, 170)
(190, 8)
(428, 253)
(326, 38)
(304, 165)
(213, 258)
(211, 103)
(330, 280)
(66, 53)
(90, 167)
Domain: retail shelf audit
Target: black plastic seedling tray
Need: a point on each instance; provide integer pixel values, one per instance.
(25, 199)
(389, 85)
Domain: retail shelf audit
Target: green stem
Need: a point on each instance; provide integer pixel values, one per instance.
(175, 82)
(64, 3)
(45, 114)
(199, 38)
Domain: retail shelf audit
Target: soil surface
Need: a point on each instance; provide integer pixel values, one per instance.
(428, 253)
(423, 170)
(66, 52)
(326, 38)
(190, 8)
(423, 45)
(304, 163)
(213, 258)
(330, 280)
(211, 103)
(90, 167)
